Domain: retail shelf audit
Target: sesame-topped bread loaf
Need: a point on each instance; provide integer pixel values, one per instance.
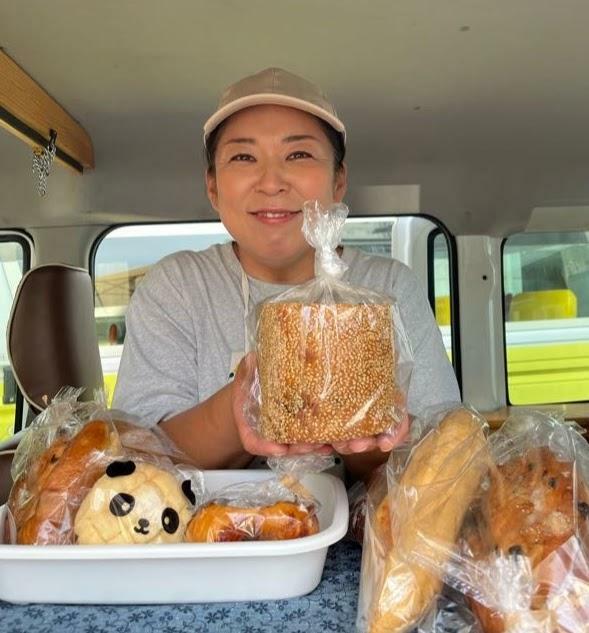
(327, 371)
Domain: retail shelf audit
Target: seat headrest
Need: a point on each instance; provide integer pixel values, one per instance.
(51, 335)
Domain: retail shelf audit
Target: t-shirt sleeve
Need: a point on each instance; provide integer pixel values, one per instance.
(158, 371)
(433, 381)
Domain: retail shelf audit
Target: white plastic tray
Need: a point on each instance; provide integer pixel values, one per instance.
(184, 572)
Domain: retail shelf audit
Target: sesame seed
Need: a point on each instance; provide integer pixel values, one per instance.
(327, 372)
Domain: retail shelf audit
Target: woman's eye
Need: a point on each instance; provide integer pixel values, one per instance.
(242, 158)
(298, 154)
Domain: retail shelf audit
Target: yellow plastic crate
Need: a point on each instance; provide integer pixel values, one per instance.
(543, 304)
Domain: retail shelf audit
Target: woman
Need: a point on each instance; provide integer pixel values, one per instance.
(274, 142)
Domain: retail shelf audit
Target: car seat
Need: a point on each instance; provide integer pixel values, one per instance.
(51, 341)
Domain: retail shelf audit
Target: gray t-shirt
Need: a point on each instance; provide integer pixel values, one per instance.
(185, 325)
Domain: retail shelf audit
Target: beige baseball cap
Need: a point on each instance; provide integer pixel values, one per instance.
(274, 86)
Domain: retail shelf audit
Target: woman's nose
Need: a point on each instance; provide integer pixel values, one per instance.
(272, 179)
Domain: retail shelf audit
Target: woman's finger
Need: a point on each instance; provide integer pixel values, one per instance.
(387, 441)
(359, 445)
(256, 445)
(305, 449)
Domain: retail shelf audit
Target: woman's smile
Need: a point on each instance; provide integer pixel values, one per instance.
(275, 216)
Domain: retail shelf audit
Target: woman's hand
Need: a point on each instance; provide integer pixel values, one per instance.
(384, 442)
(362, 456)
(252, 442)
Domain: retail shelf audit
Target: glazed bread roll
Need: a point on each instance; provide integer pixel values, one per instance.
(327, 372)
(216, 522)
(534, 504)
(439, 482)
(44, 500)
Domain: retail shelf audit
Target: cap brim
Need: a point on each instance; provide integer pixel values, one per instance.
(271, 99)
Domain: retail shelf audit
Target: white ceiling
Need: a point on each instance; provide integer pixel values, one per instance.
(485, 103)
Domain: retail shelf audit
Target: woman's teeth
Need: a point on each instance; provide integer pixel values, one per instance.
(275, 214)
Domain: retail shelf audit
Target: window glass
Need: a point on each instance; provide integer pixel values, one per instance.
(546, 302)
(370, 235)
(12, 267)
(441, 289)
(125, 254)
(121, 260)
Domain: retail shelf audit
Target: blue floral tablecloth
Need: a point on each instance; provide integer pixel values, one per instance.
(331, 607)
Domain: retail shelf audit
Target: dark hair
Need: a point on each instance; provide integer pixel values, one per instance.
(335, 138)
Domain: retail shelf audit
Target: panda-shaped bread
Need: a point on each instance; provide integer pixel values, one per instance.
(134, 503)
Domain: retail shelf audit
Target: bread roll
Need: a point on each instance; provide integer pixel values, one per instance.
(439, 482)
(327, 372)
(44, 500)
(217, 522)
(534, 504)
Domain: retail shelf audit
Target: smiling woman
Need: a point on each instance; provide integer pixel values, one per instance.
(273, 143)
(260, 181)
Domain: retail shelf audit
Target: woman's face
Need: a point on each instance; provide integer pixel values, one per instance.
(269, 161)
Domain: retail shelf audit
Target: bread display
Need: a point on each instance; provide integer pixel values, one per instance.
(533, 506)
(327, 372)
(433, 494)
(217, 522)
(43, 500)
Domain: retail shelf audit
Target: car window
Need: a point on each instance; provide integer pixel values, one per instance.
(14, 262)
(123, 255)
(546, 306)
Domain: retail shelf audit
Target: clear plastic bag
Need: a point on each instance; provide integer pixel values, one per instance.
(277, 509)
(430, 484)
(377, 543)
(62, 454)
(522, 556)
(58, 423)
(333, 361)
(450, 614)
(357, 505)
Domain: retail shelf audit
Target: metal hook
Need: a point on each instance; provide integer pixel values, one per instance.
(52, 140)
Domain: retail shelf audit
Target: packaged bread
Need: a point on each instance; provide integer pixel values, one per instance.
(279, 508)
(532, 523)
(63, 453)
(522, 555)
(221, 521)
(430, 487)
(333, 360)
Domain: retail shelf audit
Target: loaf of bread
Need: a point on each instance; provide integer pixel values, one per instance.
(534, 504)
(44, 500)
(327, 372)
(216, 522)
(434, 492)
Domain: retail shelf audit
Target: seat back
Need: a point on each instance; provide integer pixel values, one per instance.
(51, 334)
(5, 476)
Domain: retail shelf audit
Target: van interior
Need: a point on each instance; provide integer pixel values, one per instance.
(468, 149)
(467, 155)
